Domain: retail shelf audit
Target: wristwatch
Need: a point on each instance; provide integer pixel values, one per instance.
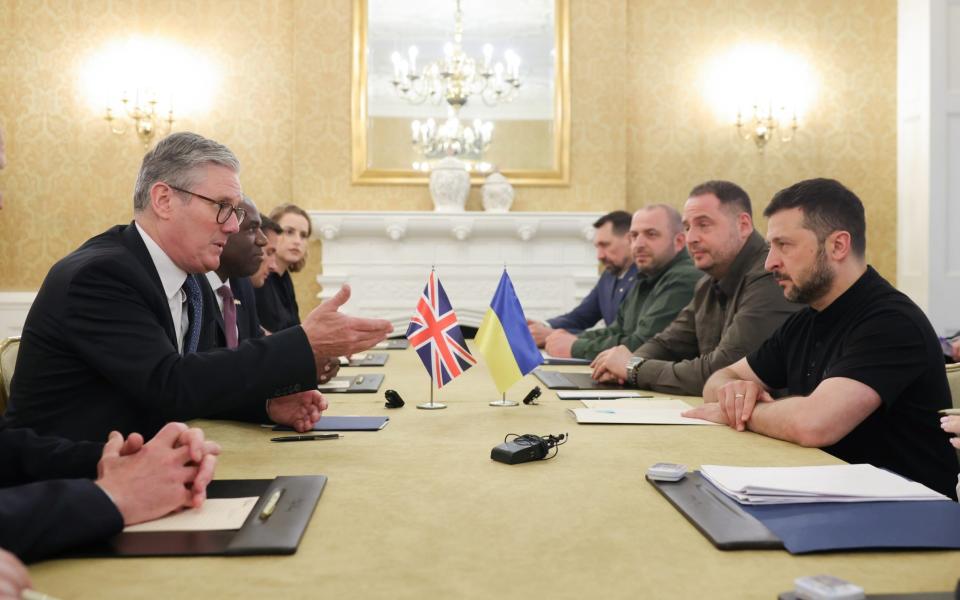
(633, 369)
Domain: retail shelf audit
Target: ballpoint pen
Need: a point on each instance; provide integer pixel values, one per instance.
(306, 438)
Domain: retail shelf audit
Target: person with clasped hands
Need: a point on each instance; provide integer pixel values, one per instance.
(859, 370)
(50, 502)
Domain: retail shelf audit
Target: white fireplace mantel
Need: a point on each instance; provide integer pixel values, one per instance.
(386, 258)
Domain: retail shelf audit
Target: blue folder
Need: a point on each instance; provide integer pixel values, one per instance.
(834, 526)
(813, 527)
(345, 423)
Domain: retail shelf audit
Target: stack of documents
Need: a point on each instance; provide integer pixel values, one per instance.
(832, 483)
(636, 412)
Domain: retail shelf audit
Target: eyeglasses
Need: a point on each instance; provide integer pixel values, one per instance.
(225, 208)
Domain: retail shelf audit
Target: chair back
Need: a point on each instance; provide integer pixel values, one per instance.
(8, 359)
(953, 378)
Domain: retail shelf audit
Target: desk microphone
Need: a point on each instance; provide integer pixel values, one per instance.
(393, 399)
(531, 398)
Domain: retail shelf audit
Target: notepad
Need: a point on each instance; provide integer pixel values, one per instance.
(829, 483)
(598, 394)
(213, 515)
(629, 416)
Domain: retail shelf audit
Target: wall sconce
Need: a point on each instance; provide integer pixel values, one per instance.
(144, 119)
(763, 124)
(762, 90)
(132, 84)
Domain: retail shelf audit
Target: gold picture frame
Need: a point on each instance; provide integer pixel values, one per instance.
(367, 174)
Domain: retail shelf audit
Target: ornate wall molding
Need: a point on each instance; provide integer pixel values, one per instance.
(386, 257)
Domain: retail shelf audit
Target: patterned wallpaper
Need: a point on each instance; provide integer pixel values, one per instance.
(640, 129)
(675, 141)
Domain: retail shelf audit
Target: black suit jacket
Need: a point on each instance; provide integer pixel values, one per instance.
(98, 353)
(277, 303)
(248, 325)
(48, 501)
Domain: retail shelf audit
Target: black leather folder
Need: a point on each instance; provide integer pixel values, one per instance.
(359, 384)
(717, 517)
(280, 533)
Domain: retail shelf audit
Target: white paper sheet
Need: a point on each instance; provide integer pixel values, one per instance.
(335, 384)
(599, 394)
(829, 483)
(627, 404)
(214, 514)
(651, 416)
(574, 361)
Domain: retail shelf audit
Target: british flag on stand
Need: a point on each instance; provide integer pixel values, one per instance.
(435, 334)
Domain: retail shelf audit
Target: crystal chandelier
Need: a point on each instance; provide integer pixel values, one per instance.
(451, 138)
(452, 80)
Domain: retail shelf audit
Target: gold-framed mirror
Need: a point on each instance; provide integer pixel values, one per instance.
(484, 80)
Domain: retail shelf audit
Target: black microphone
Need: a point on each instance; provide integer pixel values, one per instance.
(531, 398)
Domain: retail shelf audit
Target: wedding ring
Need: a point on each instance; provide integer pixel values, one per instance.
(738, 396)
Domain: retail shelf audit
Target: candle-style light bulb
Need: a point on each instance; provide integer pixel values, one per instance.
(412, 52)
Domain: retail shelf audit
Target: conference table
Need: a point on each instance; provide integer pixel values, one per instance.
(419, 510)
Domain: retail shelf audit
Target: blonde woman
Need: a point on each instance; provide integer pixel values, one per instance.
(276, 300)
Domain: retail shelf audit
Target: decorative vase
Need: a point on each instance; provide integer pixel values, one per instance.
(497, 193)
(449, 185)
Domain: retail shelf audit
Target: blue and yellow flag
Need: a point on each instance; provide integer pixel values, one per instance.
(504, 339)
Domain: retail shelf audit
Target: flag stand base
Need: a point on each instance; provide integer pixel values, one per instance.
(431, 406)
(503, 401)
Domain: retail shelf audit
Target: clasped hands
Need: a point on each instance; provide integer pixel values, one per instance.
(149, 480)
(733, 405)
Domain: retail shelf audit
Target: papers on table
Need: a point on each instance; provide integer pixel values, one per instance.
(214, 514)
(598, 394)
(636, 412)
(831, 483)
(335, 384)
(627, 404)
(554, 360)
(345, 360)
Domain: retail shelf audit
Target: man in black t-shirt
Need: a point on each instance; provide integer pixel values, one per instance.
(860, 369)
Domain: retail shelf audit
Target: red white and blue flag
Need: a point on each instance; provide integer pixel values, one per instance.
(435, 334)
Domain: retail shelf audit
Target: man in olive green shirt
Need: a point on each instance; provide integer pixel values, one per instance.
(665, 280)
(733, 310)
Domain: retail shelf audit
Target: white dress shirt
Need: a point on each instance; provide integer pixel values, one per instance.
(172, 279)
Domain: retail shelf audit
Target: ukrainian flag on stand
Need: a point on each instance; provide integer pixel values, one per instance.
(504, 339)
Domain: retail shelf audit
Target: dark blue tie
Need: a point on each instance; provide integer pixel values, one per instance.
(195, 306)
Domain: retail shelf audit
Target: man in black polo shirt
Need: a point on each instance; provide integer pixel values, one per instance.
(861, 366)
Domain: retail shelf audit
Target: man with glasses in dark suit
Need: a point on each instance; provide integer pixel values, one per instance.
(113, 340)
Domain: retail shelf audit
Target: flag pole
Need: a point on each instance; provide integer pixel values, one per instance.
(503, 401)
(431, 405)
